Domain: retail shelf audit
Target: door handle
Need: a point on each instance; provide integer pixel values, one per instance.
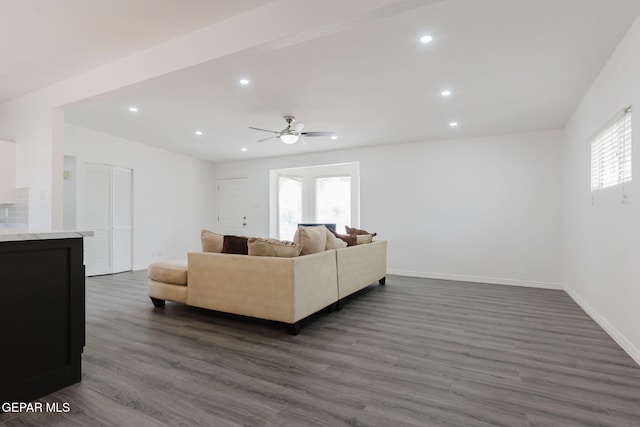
(244, 223)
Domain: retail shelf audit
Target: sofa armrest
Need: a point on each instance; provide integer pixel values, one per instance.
(361, 265)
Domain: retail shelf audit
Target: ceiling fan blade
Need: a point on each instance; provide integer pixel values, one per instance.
(266, 139)
(317, 133)
(264, 130)
(297, 127)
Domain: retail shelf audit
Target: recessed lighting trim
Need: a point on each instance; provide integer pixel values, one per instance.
(244, 149)
(445, 93)
(133, 109)
(426, 39)
(198, 132)
(334, 137)
(244, 82)
(453, 124)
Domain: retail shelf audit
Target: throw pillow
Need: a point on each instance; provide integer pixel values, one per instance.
(364, 238)
(351, 230)
(272, 247)
(333, 242)
(211, 242)
(313, 239)
(235, 245)
(349, 239)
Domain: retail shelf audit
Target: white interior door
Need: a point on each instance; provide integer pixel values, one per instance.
(232, 206)
(108, 213)
(97, 217)
(121, 220)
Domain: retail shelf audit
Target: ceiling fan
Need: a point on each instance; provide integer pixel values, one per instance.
(292, 132)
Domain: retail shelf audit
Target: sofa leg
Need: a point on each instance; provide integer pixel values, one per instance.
(157, 302)
(331, 308)
(293, 328)
(383, 281)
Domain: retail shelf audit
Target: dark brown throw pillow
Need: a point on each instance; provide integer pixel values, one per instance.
(235, 245)
(351, 239)
(351, 230)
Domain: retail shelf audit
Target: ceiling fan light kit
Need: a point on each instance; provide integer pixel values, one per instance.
(289, 138)
(292, 133)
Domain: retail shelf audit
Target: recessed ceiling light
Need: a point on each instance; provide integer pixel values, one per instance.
(244, 148)
(198, 132)
(453, 124)
(334, 136)
(133, 109)
(244, 82)
(426, 39)
(445, 93)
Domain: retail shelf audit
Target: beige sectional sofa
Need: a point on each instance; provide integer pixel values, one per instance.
(286, 290)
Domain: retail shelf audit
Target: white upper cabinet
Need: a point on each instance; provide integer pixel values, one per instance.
(7, 172)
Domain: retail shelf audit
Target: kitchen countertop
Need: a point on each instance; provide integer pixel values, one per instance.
(17, 234)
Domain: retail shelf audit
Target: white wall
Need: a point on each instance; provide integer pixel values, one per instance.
(173, 194)
(7, 172)
(481, 209)
(70, 194)
(602, 240)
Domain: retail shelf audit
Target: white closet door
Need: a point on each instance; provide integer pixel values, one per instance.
(97, 209)
(108, 214)
(121, 220)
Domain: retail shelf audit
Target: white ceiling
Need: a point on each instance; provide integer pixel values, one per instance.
(512, 65)
(45, 41)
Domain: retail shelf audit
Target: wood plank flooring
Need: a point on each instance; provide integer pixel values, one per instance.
(417, 352)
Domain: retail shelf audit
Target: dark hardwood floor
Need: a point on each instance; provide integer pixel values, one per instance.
(416, 352)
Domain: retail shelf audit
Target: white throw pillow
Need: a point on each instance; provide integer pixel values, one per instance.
(333, 242)
(313, 239)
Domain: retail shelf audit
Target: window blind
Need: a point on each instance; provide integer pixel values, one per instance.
(611, 152)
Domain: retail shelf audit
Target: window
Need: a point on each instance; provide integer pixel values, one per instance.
(290, 205)
(333, 200)
(313, 194)
(611, 152)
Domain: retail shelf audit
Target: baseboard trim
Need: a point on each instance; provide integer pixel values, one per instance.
(476, 279)
(618, 337)
(141, 267)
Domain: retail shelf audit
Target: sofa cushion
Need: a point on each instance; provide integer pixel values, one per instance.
(334, 242)
(211, 242)
(349, 239)
(271, 247)
(351, 230)
(235, 245)
(174, 274)
(313, 239)
(364, 238)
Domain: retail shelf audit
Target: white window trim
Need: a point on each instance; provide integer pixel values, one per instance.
(309, 173)
(611, 152)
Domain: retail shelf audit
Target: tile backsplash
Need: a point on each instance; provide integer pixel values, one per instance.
(17, 214)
